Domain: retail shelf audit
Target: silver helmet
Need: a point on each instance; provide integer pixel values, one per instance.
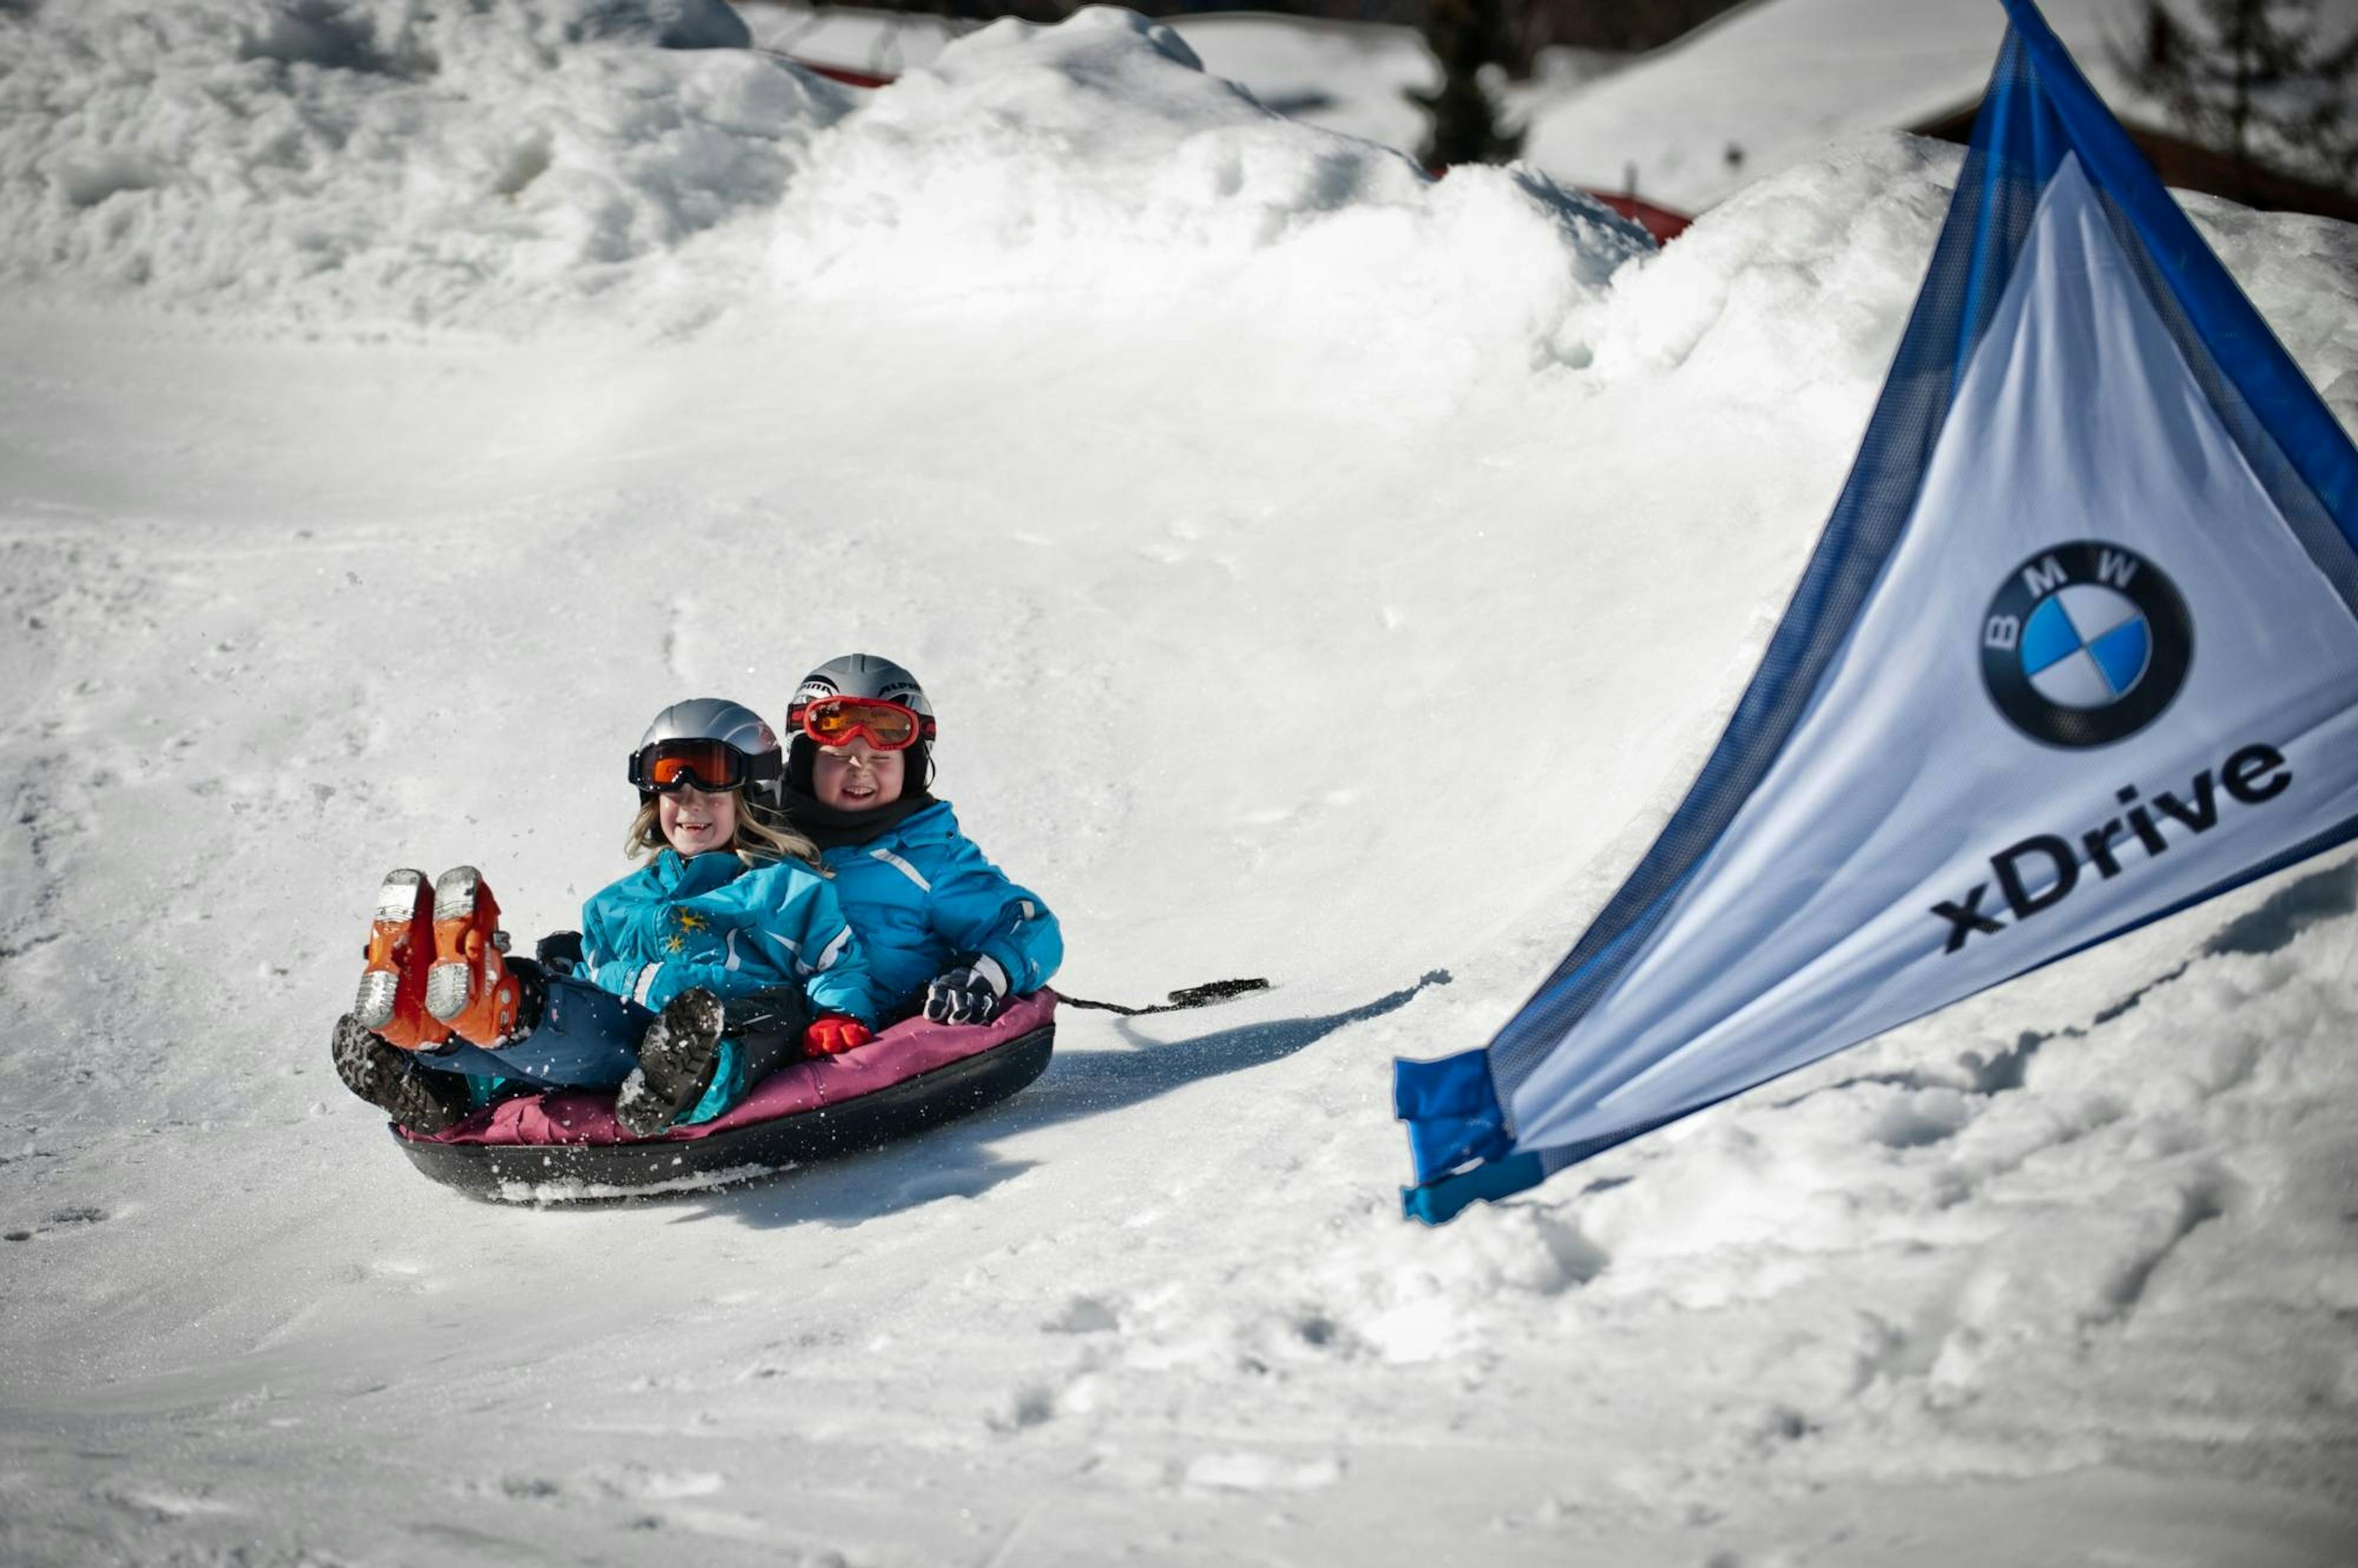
(861, 675)
(733, 725)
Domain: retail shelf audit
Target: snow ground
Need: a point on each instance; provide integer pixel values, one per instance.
(350, 530)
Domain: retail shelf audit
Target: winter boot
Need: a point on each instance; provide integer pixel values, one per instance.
(391, 1080)
(469, 986)
(392, 1000)
(767, 1027)
(676, 1057)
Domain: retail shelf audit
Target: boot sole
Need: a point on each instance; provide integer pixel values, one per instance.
(396, 905)
(360, 1058)
(651, 1100)
(381, 1075)
(451, 983)
(694, 1018)
(638, 1109)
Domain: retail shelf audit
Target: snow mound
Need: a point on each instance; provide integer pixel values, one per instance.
(1098, 160)
(380, 159)
(1352, 77)
(1808, 276)
(362, 162)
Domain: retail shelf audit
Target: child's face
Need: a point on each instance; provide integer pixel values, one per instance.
(694, 822)
(856, 776)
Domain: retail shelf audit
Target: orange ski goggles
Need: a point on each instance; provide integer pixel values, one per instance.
(837, 720)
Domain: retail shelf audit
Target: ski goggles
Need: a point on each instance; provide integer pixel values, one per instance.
(713, 767)
(836, 721)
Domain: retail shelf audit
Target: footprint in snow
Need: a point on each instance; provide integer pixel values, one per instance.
(1034, 1405)
(1084, 1314)
(63, 1219)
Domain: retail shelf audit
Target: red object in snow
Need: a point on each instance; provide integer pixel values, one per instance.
(1659, 221)
(843, 74)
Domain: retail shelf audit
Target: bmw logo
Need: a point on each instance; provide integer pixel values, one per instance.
(2085, 643)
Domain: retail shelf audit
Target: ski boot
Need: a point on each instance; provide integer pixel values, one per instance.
(391, 1079)
(391, 1000)
(470, 988)
(676, 1058)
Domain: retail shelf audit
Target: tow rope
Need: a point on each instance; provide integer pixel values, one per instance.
(1185, 997)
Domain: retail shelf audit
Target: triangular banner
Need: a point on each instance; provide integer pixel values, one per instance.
(2078, 648)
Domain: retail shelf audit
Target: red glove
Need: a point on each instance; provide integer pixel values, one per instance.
(833, 1035)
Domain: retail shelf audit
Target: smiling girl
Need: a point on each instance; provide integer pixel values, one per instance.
(697, 974)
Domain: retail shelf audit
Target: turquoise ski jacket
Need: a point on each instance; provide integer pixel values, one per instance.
(923, 900)
(712, 922)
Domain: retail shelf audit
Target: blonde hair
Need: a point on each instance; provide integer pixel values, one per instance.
(762, 839)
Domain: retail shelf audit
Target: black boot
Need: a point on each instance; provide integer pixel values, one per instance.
(420, 1099)
(768, 1028)
(532, 994)
(676, 1056)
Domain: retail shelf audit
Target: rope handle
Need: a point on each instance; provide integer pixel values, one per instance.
(1205, 995)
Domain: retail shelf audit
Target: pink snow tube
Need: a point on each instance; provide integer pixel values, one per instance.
(902, 1053)
(565, 1146)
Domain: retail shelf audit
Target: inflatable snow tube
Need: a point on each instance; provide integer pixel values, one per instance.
(565, 1145)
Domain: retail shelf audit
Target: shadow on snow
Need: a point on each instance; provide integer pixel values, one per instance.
(953, 1161)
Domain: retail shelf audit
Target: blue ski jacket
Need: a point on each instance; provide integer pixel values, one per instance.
(712, 922)
(923, 900)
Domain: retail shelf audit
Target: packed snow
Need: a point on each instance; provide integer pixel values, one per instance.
(343, 161)
(1322, 573)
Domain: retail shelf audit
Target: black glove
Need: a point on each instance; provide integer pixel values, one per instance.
(967, 996)
(559, 952)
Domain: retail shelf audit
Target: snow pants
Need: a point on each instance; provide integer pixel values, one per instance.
(588, 1038)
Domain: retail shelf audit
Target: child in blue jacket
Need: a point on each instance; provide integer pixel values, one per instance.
(947, 932)
(695, 975)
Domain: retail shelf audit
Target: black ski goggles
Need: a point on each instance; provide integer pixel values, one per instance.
(713, 767)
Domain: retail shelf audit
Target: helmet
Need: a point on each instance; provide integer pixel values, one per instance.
(733, 725)
(861, 674)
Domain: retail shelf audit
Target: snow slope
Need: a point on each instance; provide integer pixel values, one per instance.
(1769, 84)
(1200, 463)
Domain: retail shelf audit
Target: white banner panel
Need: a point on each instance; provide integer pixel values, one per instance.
(2073, 555)
(2079, 646)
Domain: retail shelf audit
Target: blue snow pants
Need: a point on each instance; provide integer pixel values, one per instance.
(589, 1039)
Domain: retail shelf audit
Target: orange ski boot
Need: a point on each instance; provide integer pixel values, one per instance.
(391, 1000)
(470, 987)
